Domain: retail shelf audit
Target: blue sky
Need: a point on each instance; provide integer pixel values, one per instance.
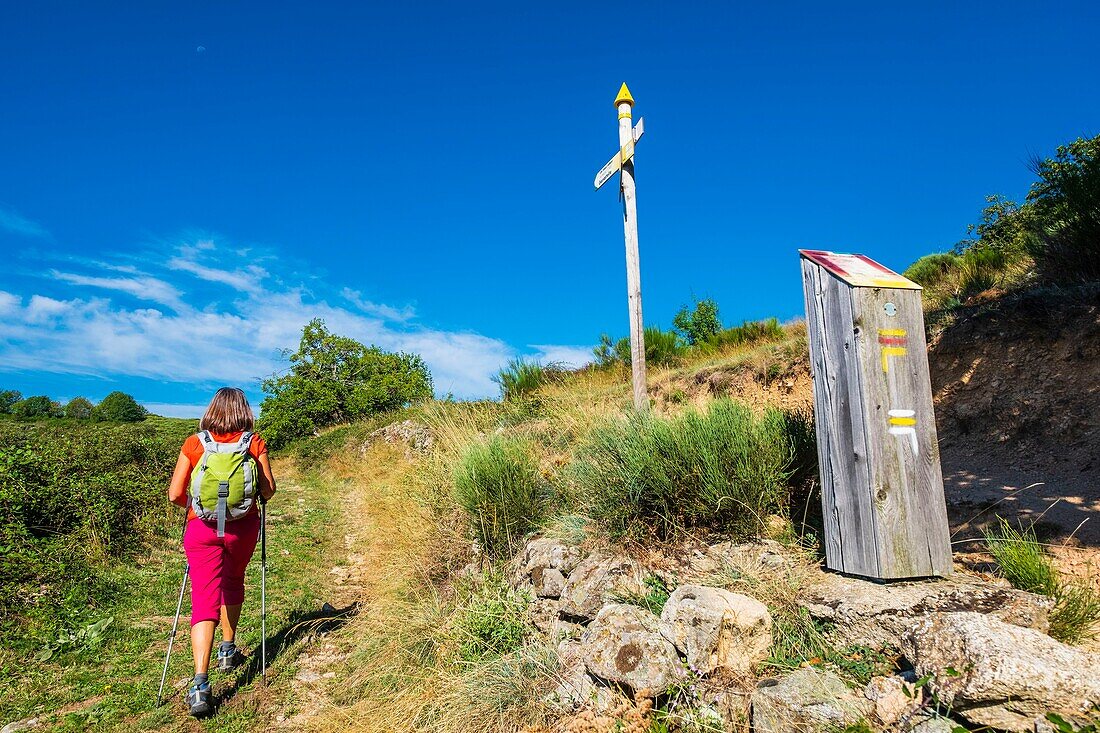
(183, 185)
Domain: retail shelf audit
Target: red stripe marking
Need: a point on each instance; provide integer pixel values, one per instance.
(893, 340)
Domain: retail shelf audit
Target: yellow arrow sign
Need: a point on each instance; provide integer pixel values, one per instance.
(625, 153)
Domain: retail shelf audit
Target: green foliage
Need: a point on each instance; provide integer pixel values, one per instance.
(79, 408)
(1026, 566)
(1066, 205)
(520, 377)
(9, 397)
(653, 599)
(87, 637)
(119, 407)
(700, 324)
(497, 482)
(931, 270)
(491, 620)
(38, 406)
(334, 380)
(1061, 725)
(661, 348)
(749, 332)
(724, 468)
(75, 493)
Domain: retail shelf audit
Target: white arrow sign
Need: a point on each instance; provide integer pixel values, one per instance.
(624, 154)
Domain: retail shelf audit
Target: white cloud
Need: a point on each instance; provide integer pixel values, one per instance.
(139, 286)
(17, 224)
(246, 281)
(570, 356)
(381, 310)
(170, 409)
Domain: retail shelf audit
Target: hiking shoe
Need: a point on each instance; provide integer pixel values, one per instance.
(232, 660)
(199, 700)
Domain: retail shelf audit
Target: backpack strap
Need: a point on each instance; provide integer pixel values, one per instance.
(223, 507)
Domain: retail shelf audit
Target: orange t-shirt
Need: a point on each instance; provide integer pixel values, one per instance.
(192, 449)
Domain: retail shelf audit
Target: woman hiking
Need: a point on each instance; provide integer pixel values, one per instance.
(221, 474)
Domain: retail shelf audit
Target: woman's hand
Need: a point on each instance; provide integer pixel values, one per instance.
(267, 480)
(177, 489)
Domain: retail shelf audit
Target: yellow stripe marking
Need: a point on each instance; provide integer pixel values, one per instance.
(903, 421)
(888, 351)
(892, 332)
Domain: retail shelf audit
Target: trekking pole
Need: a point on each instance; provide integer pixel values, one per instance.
(263, 589)
(176, 620)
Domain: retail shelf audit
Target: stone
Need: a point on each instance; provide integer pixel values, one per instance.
(19, 725)
(877, 615)
(999, 675)
(892, 699)
(808, 700)
(598, 580)
(933, 725)
(624, 645)
(543, 614)
(716, 628)
(543, 565)
(576, 688)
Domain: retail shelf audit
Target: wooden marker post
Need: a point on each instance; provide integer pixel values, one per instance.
(881, 485)
(623, 162)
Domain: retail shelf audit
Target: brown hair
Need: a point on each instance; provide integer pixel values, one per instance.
(229, 412)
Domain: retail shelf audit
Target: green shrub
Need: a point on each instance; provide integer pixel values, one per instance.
(79, 408)
(9, 397)
(498, 484)
(980, 269)
(335, 380)
(37, 406)
(1066, 201)
(662, 348)
(725, 469)
(748, 332)
(1025, 565)
(119, 407)
(931, 270)
(491, 620)
(520, 377)
(700, 324)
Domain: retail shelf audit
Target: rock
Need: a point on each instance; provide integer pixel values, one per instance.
(576, 688)
(723, 556)
(563, 629)
(892, 699)
(418, 438)
(716, 628)
(543, 565)
(876, 615)
(543, 614)
(933, 725)
(806, 701)
(19, 725)
(624, 645)
(999, 675)
(600, 579)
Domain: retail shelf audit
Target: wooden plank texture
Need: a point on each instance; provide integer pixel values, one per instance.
(882, 490)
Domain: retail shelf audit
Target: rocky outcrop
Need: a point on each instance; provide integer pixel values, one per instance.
(999, 675)
(806, 701)
(892, 700)
(874, 615)
(543, 565)
(576, 688)
(624, 645)
(598, 580)
(715, 628)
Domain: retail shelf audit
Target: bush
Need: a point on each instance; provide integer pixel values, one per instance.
(498, 484)
(724, 469)
(1066, 201)
(9, 397)
(39, 406)
(119, 407)
(520, 377)
(748, 332)
(334, 380)
(491, 619)
(662, 348)
(932, 270)
(79, 408)
(1025, 565)
(700, 324)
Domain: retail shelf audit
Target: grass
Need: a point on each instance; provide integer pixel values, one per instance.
(520, 378)
(1023, 563)
(491, 618)
(497, 482)
(109, 680)
(725, 468)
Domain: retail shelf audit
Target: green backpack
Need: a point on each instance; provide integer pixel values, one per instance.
(223, 484)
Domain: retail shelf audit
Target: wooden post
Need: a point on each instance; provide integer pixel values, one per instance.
(881, 484)
(624, 102)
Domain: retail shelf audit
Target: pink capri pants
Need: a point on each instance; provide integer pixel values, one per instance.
(217, 565)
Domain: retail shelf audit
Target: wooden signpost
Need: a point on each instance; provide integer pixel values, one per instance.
(881, 484)
(623, 162)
